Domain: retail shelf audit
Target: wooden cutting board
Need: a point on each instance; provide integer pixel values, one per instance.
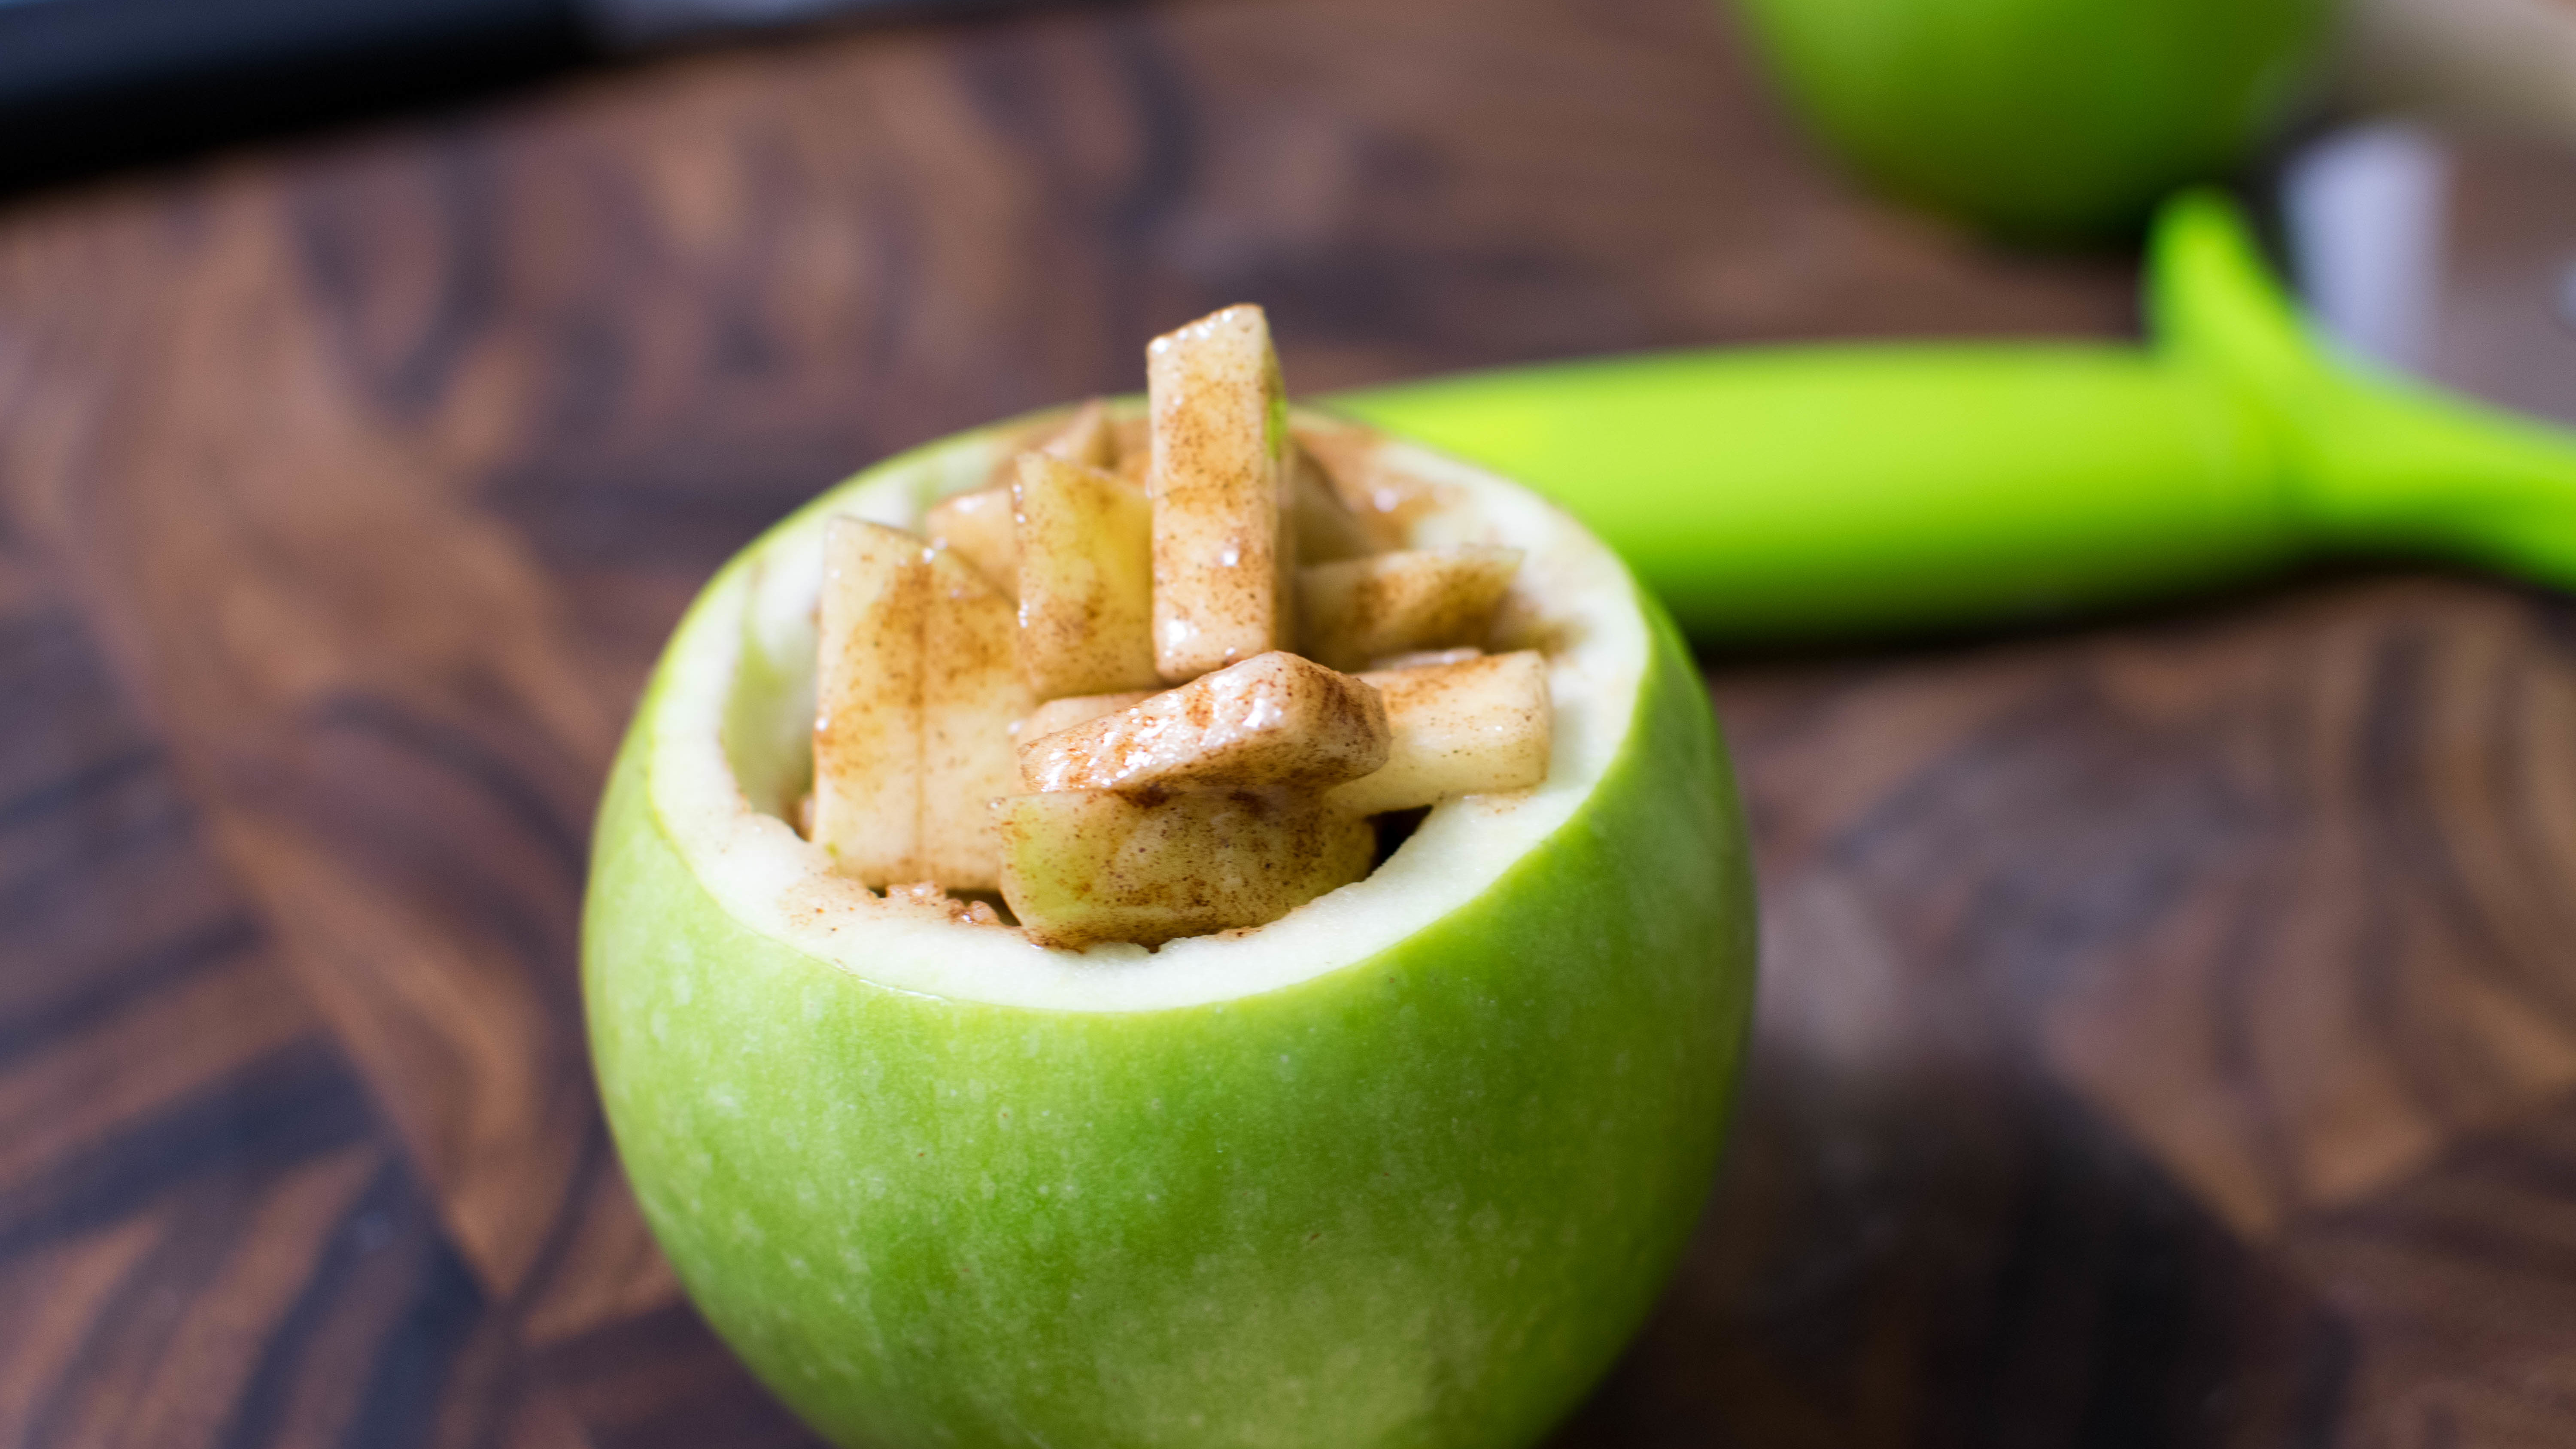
(2169, 1026)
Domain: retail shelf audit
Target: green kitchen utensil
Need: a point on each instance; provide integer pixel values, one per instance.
(1796, 493)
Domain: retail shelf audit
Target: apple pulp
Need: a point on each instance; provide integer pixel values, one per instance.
(1407, 1167)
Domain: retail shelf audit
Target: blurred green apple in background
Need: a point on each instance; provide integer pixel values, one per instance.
(2044, 120)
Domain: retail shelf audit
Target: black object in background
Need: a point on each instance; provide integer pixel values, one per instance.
(88, 84)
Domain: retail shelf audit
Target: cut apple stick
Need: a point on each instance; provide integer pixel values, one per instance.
(978, 527)
(971, 694)
(867, 730)
(1470, 728)
(1275, 721)
(1086, 580)
(1064, 714)
(1219, 480)
(917, 686)
(1392, 603)
(1080, 867)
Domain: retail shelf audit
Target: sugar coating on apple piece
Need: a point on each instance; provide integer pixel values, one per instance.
(1064, 714)
(1084, 867)
(1086, 579)
(1361, 609)
(1274, 722)
(971, 695)
(1475, 727)
(1219, 482)
(867, 728)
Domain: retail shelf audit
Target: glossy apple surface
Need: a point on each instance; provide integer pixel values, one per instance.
(2043, 119)
(1406, 1168)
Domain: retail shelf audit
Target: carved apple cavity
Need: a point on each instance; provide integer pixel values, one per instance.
(1405, 1166)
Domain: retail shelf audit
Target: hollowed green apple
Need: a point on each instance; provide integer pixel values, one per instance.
(1404, 1168)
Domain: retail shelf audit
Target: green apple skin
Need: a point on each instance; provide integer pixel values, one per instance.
(1422, 1199)
(2046, 120)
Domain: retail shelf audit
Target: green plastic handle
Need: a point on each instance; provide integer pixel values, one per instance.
(1785, 494)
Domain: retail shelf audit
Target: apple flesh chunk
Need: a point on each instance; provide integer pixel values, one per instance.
(1083, 867)
(1220, 482)
(1351, 462)
(971, 695)
(867, 728)
(1064, 714)
(916, 691)
(1327, 529)
(1475, 727)
(1088, 439)
(1131, 438)
(1361, 609)
(977, 527)
(1275, 722)
(1086, 579)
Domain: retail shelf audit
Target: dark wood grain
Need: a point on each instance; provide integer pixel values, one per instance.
(207, 1233)
(2168, 1034)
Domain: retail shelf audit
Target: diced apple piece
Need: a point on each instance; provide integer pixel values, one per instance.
(1064, 714)
(1425, 659)
(1080, 867)
(1327, 529)
(971, 695)
(1275, 721)
(1471, 728)
(978, 528)
(867, 730)
(917, 687)
(1086, 580)
(1390, 603)
(1350, 458)
(980, 525)
(1087, 439)
(1222, 581)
